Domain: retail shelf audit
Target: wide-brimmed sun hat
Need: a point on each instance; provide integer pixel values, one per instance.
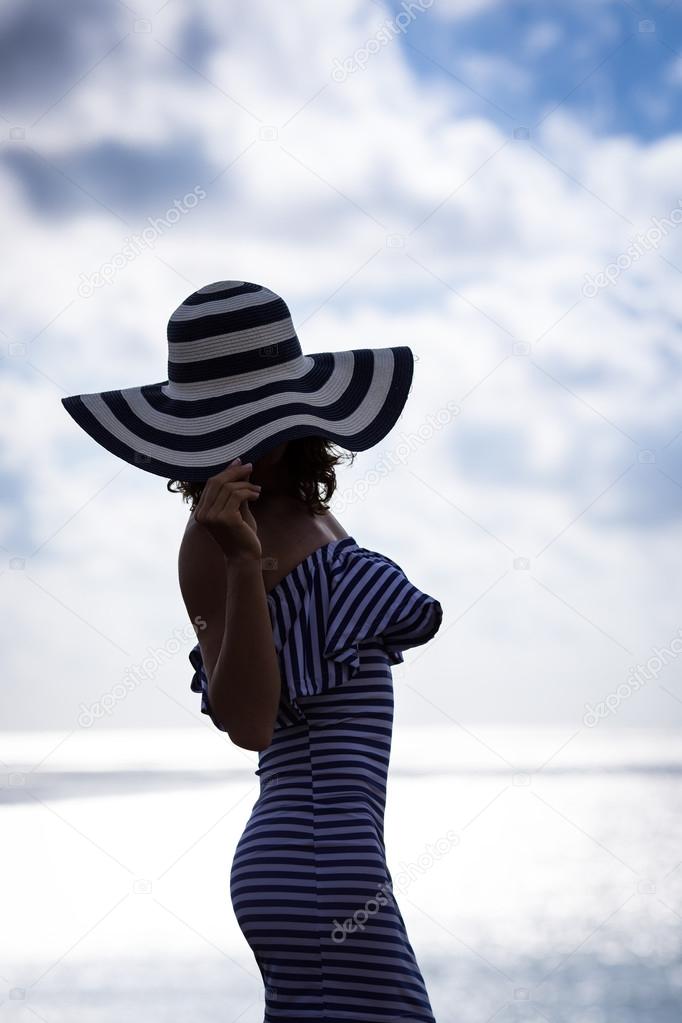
(239, 384)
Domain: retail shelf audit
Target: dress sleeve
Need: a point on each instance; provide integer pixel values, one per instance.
(199, 684)
(372, 599)
(322, 612)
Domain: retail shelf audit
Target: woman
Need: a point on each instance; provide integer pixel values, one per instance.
(300, 628)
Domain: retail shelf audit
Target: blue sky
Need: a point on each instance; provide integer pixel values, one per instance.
(403, 204)
(615, 65)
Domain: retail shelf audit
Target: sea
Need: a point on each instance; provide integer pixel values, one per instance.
(538, 871)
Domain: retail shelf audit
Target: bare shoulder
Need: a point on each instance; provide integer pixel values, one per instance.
(202, 578)
(198, 547)
(289, 539)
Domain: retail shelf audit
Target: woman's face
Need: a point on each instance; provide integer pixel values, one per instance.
(272, 457)
(268, 469)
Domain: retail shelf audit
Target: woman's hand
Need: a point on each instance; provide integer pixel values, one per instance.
(223, 509)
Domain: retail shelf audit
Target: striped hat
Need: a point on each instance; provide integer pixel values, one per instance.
(238, 385)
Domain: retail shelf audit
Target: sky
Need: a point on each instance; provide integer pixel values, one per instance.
(495, 185)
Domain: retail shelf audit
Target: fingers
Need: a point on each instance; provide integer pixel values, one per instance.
(232, 495)
(235, 470)
(215, 505)
(233, 473)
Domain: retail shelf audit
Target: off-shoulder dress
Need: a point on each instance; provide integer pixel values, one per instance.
(309, 882)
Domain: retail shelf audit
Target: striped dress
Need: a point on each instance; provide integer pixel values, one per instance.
(309, 882)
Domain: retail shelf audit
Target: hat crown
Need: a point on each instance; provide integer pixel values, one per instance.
(227, 329)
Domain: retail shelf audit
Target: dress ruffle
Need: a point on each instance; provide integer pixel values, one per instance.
(372, 600)
(345, 596)
(338, 598)
(199, 684)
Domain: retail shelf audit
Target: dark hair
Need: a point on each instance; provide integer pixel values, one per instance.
(311, 462)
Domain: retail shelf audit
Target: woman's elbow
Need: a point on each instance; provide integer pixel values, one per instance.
(247, 727)
(247, 731)
(253, 740)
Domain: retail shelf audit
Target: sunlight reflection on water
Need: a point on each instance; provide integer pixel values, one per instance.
(558, 896)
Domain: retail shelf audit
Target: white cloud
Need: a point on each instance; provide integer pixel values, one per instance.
(453, 10)
(495, 76)
(673, 72)
(542, 36)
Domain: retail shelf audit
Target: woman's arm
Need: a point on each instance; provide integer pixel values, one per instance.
(245, 686)
(227, 592)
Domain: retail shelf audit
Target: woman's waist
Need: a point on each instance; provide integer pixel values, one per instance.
(293, 790)
(326, 777)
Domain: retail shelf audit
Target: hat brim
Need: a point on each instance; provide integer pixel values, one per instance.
(353, 398)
